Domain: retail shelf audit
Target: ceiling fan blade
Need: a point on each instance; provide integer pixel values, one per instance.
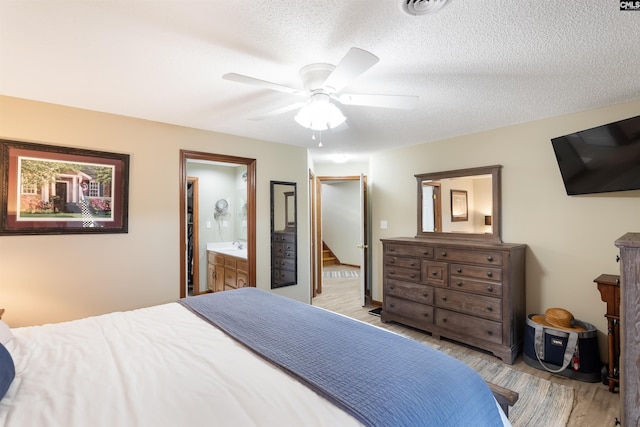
(240, 78)
(354, 63)
(279, 111)
(401, 102)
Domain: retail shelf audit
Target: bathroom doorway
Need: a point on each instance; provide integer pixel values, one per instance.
(193, 237)
(225, 210)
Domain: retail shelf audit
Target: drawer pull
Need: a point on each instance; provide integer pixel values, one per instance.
(392, 250)
(490, 332)
(412, 264)
(393, 261)
(413, 276)
(434, 273)
(459, 283)
(392, 272)
(489, 274)
(490, 258)
(459, 270)
(443, 254)
(489, 308)
(425, 253)
(392, 286)
(426, 314)
(444, 298)
(444, 320)
(392, 305)
(489, 288)
(426, 295)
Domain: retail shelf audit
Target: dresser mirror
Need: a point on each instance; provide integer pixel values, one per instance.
(284, 262)
(460, 204)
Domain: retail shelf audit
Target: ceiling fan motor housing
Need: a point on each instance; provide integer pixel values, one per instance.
(313, 76)
(421, 7)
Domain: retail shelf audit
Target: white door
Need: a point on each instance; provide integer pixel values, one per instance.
(363, 245)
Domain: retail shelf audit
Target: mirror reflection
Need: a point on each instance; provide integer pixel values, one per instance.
(460, 203)
(283, 234)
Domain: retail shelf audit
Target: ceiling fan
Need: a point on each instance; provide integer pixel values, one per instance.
(322, 84)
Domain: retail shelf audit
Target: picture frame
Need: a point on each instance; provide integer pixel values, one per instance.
(459, 207)
(48, 189)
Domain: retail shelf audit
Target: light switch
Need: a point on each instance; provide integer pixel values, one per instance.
(383, 224)
(208, 224)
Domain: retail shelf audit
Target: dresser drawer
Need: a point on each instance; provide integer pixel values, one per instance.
(407, 250)
(283, 276)
(282, 250)
(402, 273)
(476, 286)
(476, 271)
(411, 291)
(434, 273)
(413, 310)
(402, 262)
(476, 305)
(473, 257)
(284, 263)
(469, 325)
(284, 237)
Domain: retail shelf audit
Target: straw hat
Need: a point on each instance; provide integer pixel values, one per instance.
(558, 318)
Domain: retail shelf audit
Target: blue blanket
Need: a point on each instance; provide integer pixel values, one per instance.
(380, 378)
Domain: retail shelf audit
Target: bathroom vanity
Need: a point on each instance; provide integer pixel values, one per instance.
(227, 268)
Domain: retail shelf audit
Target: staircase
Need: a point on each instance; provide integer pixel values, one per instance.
(328, 258)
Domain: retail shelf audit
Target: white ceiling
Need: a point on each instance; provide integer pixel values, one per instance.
(476, 65)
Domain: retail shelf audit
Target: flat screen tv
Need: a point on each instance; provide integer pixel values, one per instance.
(602, 159)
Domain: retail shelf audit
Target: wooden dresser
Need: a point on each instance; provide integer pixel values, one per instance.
(472, 292)
(283, 270)
(629, 246)
(609, 287)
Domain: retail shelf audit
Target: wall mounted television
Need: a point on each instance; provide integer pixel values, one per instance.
(601, 159)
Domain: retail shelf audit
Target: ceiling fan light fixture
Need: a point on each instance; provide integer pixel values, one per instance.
(422, 7)
(320, 114)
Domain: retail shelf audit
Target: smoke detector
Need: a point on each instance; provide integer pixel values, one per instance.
(422, 7)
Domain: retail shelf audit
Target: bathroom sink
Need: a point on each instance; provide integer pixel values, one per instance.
(228, 250)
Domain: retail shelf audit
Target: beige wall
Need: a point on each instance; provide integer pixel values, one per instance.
(569, 239)
(54, 278)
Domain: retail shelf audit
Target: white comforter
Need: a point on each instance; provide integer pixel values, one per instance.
(160, 366)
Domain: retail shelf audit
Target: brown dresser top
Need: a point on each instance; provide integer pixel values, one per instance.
(458, 243)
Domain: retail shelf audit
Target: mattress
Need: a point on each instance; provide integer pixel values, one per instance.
(157, 366)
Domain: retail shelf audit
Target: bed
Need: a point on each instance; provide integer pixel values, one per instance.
(244, 357)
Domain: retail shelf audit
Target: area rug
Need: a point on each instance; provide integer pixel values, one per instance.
(540, 402)
(341, 274)
(376, 311)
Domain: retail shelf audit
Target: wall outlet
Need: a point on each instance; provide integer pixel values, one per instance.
(208, 224)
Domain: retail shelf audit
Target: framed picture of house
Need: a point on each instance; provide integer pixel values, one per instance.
(459, 209)
(47, 189)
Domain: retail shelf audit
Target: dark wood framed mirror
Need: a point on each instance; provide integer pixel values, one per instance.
(482, 202)
(284, 260)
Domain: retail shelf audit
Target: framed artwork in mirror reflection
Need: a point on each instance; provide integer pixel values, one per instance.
(459, 209)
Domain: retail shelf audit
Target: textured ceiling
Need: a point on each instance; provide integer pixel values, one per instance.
(476, 65)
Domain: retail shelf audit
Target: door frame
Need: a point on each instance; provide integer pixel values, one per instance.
(317, 226)
(196, 233)
(251, 210)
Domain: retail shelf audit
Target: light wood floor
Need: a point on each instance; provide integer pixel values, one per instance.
(594, 405)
